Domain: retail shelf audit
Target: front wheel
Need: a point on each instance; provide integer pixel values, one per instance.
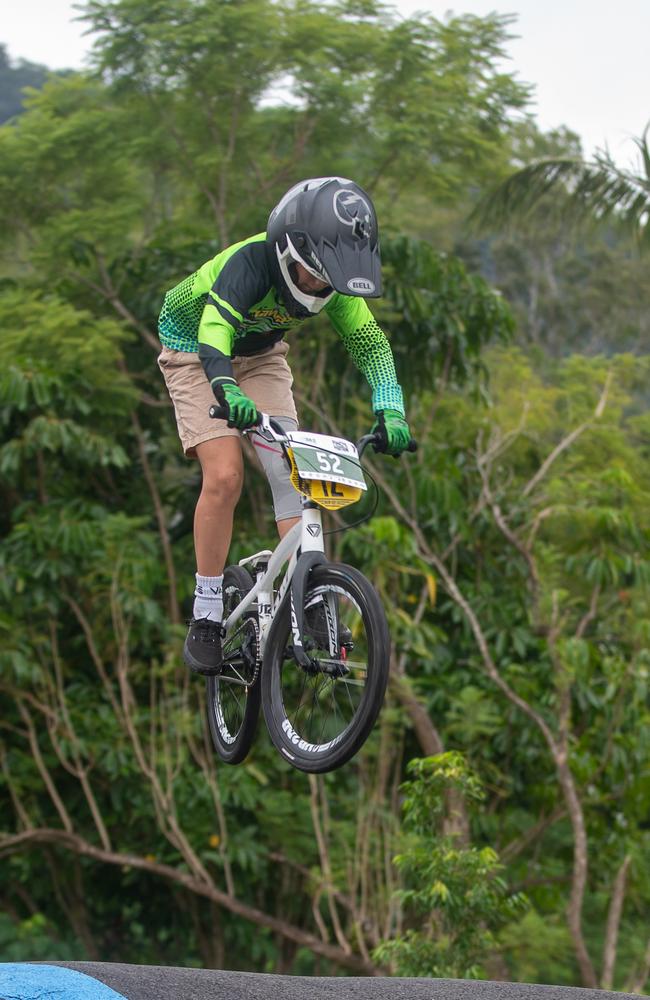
(233, 696)
(320, 715)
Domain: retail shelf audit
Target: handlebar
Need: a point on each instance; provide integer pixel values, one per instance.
(277, 432)
(367, 439)
(221, 413)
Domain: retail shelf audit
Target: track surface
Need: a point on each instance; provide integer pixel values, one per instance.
(81, 980)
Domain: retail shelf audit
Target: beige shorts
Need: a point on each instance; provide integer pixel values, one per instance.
(265, 377)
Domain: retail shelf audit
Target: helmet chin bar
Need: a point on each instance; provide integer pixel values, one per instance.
(313, 303)
(320, 275)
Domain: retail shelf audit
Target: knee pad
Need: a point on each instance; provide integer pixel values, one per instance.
(286, 501)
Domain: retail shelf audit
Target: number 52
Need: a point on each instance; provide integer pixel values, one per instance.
(329, 464)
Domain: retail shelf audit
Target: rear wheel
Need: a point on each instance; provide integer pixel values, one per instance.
(319, 716)
(233, 696)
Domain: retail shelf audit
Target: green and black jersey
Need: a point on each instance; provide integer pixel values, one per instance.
(230, 307)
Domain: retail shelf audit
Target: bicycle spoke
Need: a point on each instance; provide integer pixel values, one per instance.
(237, 679)
(322, 732)
(311, 714)
(322, 703)
(337, 710)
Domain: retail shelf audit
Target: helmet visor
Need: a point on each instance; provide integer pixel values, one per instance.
(352, 270)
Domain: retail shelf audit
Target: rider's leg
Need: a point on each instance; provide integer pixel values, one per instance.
(216, 446)
(219, 451)
(286, 501)
(286, 524)
(223, 473)
(267, 379)
(222, 468)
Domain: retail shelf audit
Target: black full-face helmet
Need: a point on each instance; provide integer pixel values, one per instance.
(329, 225)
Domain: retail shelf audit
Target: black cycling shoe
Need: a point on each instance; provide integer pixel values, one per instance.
(202, 649)
(316, 626)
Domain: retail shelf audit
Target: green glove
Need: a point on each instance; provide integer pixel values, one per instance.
(394, 432)
(242, 412)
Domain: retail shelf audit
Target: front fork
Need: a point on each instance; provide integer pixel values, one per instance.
(312, 553)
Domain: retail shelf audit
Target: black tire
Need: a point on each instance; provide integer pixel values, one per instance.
(344, 707)
(233, 696)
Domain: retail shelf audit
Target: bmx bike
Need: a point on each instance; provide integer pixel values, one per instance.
(311, 648)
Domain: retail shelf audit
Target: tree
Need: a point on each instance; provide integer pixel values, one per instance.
(454, 896)
(241, 100)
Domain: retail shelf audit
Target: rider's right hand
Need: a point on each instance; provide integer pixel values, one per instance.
(242, 412)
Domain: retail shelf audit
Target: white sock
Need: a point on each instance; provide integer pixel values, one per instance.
(208, 598)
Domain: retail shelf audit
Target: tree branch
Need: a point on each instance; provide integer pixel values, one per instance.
(80, 771)
(326, 868)
(613, 924)
(48, 781)
(508, 533)
(520, 844)
(21, 812)
(72, 842)
(174, 610)
(569, 439)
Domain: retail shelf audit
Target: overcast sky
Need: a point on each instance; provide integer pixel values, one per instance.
(588, 60)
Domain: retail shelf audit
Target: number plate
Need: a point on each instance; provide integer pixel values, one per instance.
(326, 459)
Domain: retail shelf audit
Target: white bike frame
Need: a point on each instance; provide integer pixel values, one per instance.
(305, 536)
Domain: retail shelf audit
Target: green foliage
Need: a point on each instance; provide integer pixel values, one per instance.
(585, 525)
(442, 311)
(65, 181)
(301, 102)
(572, 288)
(34, 940)
(432, 777)
(538, 949)
(454, 894)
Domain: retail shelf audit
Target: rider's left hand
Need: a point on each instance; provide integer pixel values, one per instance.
(394, 432)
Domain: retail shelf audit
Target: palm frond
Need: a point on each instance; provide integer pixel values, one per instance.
(574, 189)
(520, 194)
(641, 144)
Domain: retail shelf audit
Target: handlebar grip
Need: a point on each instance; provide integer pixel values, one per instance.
(221, 413)
(413, 445)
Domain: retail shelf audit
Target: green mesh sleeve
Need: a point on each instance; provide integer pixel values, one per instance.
(183, 322)
(180, 316)
(368, 347)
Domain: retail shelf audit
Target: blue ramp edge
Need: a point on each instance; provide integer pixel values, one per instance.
(20, 981)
